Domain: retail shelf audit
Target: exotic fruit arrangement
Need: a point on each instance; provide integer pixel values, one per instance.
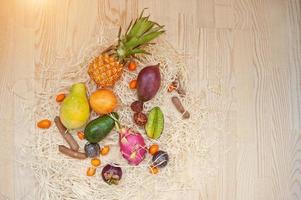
(94, 114)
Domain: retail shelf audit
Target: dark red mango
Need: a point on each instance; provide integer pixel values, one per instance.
(148, 82)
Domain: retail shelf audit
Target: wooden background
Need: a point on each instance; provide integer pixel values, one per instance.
(250, 47)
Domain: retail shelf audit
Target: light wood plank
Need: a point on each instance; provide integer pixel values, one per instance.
(247, 52)
(7, 105)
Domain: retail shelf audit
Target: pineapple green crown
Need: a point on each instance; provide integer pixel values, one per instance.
(139, 33)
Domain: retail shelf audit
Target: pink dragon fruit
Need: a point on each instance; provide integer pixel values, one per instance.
(132, 146)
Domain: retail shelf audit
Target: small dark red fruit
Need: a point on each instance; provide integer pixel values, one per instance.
(137, 106)
(140, 119)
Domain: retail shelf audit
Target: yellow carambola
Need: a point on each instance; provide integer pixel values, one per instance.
(75, 110)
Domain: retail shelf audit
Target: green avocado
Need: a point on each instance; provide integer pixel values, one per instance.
(99, 128)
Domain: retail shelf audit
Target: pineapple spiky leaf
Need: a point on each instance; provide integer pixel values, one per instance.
(150, 36)
(139, 51)
(158, 28)
(139, 33)
(144, 27)
(127, 30)
(142, 12)
(119, 34)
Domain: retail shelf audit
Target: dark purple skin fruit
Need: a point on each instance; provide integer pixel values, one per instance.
(148, 82)
(160, 159)
(92, 149)
(111, 174)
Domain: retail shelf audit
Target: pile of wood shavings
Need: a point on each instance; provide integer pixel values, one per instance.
(187, 141)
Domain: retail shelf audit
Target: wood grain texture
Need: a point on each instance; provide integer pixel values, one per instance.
(248, 52)
(6, 110)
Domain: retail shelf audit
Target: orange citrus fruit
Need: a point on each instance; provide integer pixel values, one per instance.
(103, 101)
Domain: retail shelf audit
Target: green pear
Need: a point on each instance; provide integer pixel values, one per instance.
(75, 110)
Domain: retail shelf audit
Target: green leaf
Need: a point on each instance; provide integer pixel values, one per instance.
(135, 42)
(147, 25)
(127, 30)
(132, 43)
(155, 29)
(142, 12)
(136, 26)
(139, 51)
(139, 32)
(148, 37)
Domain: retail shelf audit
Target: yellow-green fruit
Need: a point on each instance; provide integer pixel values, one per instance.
(75, 110)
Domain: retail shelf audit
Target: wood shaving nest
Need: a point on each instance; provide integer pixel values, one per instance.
(191, 143)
